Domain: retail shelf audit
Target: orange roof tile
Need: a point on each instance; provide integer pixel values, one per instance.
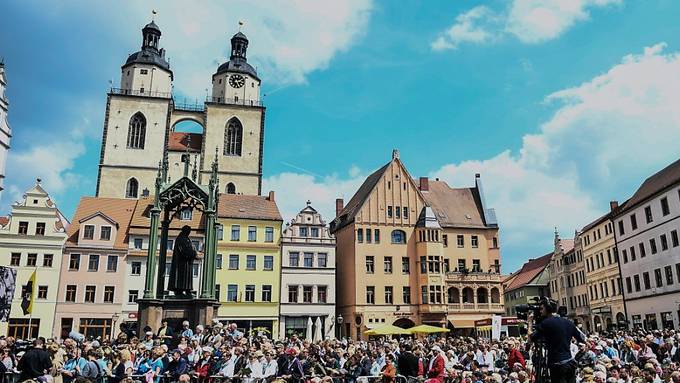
(118, 209)
(248, 207)
(141, 219)
(529, 271)
(181, 141)
(4, 220)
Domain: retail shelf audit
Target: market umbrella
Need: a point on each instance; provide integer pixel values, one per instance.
(427, 329)
(308, 334)
(387, 330)
(317, 330)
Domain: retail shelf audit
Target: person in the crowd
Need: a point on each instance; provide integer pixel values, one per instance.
(35, 362)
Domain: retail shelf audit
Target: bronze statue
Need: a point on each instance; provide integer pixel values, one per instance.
(183, 256)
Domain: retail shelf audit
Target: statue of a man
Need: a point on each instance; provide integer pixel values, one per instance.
(183, 256)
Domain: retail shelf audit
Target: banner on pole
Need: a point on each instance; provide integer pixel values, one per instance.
(496, 321)
(8, 279)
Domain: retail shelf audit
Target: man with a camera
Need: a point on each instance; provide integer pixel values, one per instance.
(556, 333)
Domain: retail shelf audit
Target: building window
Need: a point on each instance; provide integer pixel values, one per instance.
(370, 294)
(250, 293)
(15, 259)
(252, 233)
(308, 260)
(360, 235)
(233, 262)
(388, 295)
(232, 293)
(664, 206)
(405, 210)
(42, 292)
(398, 236)
(460, 240)
(47, 260)
(669, 275)
(233, 138)
(105, 233)
(321, 294)
(648, 214)
(74, 262)
(423, 265)
(633, 221)
(268, 262)
(71, 291)
(136, 268)
(645, 279)
(664, 242)
(32, 260)
(108, 294)
(133, 295)
(625, 255)
(495, 242)
(397, 212)
(136, 132)
(474, 241)
(235, 232)
(405, 265)
(636, 282)
(303, 232)
(370, 264)
(266, 293)
(292, 293)
(322, 260)
(251, 262)
(476, 266)
(406, 294)
(652, 245)
(433, 266)
(294, 259)
(93, 262)
(112, 263)
(389, 212)
(186, 214)
(629, 285)
(307, 294)
(19, 328)
(315, 232)
(138, 243)
(88, 232)
(387, 267)
(269, 234)
(658, 278)
(445, 240)
(218, 291)
(40, 228)
(23, 228)
(369, 236)
(90, 292)
(218, 261)
(643, 252)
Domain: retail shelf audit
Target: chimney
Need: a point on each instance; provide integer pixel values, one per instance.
(271, 196)
(339, 205)
(395, 154)
(424, 184)
(613, 205)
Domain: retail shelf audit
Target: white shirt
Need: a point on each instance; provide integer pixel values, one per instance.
(228, 368)
(270, 368)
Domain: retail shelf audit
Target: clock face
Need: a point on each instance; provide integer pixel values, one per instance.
(236, 80)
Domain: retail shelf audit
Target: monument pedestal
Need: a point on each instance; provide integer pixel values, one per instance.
(175, 310)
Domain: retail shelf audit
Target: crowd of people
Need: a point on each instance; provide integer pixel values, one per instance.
(222, 353)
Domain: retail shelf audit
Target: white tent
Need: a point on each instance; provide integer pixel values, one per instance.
(308, 334)
(317, 330)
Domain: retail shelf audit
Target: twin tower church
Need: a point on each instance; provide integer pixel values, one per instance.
(141, 119)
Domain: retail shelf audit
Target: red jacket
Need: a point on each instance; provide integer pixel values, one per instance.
(437, 372)
(515, 357)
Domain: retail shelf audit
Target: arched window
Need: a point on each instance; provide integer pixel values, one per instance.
(233, 138)
(482, 295)
(468, 295)
(454, 295)
(398, 236)
(231, 188)
(131, 188)
(495, 295)
(136, 131)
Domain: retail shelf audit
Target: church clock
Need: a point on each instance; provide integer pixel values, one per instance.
(236, 80)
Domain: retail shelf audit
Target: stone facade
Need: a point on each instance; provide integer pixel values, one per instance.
(307, 276)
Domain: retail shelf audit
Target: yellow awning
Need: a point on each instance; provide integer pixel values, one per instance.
(387, 330)
(427, 329)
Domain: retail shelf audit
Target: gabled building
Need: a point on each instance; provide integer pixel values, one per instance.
(31, 240)
(411, 252)
(530, 282)
(92, 281)
(646, 228)
(248, 262)
(307, 275)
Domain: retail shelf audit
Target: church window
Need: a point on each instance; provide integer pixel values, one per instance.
(231, 188)
(131, 189)
(233, 138)
(136, 131)
(144, 71)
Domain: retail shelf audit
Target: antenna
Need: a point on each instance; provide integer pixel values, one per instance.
(153, 15)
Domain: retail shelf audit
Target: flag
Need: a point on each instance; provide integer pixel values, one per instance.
(28, 295)
(8, 278)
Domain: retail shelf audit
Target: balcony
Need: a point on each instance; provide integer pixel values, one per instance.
(189, 106)
(473, 277)
(139, 93)
(233, 101)
(473, 307)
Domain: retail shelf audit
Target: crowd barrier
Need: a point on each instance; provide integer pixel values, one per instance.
(13, 377)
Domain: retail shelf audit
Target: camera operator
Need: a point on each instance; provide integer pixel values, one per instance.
(556, 333)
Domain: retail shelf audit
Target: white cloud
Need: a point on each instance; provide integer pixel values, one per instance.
(530, 21)
(604, 138)
(288, 39)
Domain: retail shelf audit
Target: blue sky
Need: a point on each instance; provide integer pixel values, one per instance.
(561, 107)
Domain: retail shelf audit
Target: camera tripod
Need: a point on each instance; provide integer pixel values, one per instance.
(540, 362)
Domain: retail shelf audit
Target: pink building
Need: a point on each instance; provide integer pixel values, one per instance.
(91, 286)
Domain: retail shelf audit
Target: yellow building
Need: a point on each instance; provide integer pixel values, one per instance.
(411, 252)
(248, 262)
(31, 240)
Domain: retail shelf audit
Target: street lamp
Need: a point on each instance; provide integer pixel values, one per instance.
(340, 319)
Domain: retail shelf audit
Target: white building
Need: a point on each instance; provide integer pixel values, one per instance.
(5, 130)
(307, 275)
(647, 228)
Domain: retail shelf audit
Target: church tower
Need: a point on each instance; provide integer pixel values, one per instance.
(136, 121)
(235, 124)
